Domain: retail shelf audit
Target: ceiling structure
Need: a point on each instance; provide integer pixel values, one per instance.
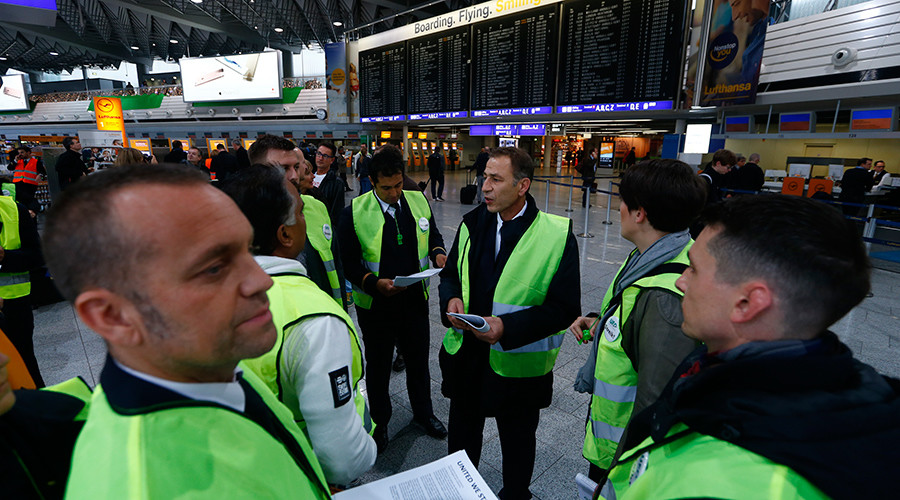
(105, 32)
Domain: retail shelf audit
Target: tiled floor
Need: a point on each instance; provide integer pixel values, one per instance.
(66, 348)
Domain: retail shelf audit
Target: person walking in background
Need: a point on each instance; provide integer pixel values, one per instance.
(436, 174)
(480, 164)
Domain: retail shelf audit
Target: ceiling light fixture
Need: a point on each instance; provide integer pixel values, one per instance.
(173, 41)
(279, 30)
(2, 58)
(337, 23)
(197, 1)
(52, 53)
(135, 47)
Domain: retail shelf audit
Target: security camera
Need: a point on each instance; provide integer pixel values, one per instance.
(211, 112)
(235, 111)
(843, 57)
(259, 109)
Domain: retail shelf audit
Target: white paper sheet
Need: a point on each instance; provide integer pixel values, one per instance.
(476, 322)
(415, 278)
(450, 478)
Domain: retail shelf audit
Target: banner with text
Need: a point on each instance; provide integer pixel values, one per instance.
(336, 82)
(108, 111)
(737, 33)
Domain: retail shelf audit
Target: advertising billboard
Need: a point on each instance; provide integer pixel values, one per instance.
(734, 52)
(13, 96)
(232, 78)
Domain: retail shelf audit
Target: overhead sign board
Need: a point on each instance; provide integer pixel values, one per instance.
(797, 122)
(526, 129)
(738, 124)
(39, 12)
(873, 119)
(231, 78)
(108, 111)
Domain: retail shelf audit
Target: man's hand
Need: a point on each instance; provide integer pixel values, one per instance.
(456, 306)
(493, 335)
(580, 325)
(440, 260)
(386, 287)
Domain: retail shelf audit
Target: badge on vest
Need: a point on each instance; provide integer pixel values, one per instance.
(340, 386)
(639, 467)
(326, 230)
(423, 224)
(611, 328)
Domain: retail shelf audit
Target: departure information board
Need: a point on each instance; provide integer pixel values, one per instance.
(382, 83)
(625, 52)
(514, 63)
(439, 75)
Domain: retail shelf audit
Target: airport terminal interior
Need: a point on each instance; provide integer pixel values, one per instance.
(806, 90)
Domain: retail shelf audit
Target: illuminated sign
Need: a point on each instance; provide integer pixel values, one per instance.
(386, 134)
(379, 119)
(13, 96)
(231, 78)
(616, 106)
(435, 116)
(423, 135)
(797, 122)
(873, 119)
(738, 123)
(527, 129)
(108, 111)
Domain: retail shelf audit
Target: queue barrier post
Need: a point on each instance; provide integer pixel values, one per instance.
(547, 198)
(571, 188)
(587, 211)
(869, 228)
(608, 204)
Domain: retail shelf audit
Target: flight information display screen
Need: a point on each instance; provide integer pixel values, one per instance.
(382, 82)
(439, 75)
(514, 63)
(620, 51)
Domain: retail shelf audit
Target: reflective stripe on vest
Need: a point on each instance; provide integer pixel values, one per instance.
(26, 172)
(320, 235)
(523, 284)
(615, 381)
(368, 222)
(12, 285)
(695, 465)
(292, 299)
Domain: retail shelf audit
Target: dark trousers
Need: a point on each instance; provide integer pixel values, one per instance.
(25, 195)
(409, 331)
(437, 183)
(19, 329)
(585, 192)
(517, 442)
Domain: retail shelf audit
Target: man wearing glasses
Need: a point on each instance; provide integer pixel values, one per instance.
(328, 182)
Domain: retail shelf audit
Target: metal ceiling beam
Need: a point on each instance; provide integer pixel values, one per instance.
(70, 38)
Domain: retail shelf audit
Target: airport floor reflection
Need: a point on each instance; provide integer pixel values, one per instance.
(65, 347)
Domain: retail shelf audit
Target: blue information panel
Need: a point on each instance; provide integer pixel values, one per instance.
(435, 116)
(379, 119)
(616, 106)
(527, 129)
(540, 110)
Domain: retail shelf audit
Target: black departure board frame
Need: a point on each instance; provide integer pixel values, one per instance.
(383, 83)
(620, 55)
(514, 63)
(438, 67)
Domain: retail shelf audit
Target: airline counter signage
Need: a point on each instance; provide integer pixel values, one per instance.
(797, 122)
(616, 106)
(873, 119)
(108, 111)
(738, 124)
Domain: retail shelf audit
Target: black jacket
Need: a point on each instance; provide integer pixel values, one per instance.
(747, 178)
(243, 159)
(855, 183)
(396, 260)
(224, 165)
(70, 166)
(333, 189)
(175, 156)
(827, 416)
(480, 163)
(467, 373)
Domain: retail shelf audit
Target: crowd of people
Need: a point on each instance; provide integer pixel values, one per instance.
(234, 368)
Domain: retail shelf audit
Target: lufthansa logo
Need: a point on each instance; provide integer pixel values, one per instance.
(723, 50)
(105, 105)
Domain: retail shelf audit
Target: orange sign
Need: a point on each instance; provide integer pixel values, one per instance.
(140, 144)
(606, 148)
(109, 115)
(793, 186)
(820, 185)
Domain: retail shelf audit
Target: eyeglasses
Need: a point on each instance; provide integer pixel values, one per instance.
(323, 155)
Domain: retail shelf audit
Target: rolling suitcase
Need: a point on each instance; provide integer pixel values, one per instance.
(467, 193)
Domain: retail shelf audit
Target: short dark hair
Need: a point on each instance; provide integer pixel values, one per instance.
(328, 145)
(862, 161)
(260, 193)
(237, 141)
(668, 190)
(220, 146)
(811, 256)
(520, 160)
(264, 143)
(24, 148)
(387, 162)
(67, 142)
(879, 161)
(725, 157)
(85, 244)
(176, 144)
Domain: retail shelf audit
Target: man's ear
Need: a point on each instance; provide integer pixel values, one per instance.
(523, 188)
(112, 316)
(755, 300)
(640, 215)
(284, 237)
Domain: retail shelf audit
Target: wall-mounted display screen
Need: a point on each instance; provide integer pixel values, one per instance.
(232, 78)
(439, 75)
(514, 62)
(13, 96)
(620, 51)
(382, 81)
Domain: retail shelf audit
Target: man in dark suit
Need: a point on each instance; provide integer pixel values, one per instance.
(223, 164)
(855, 183)
(327, 180)
(176, 155)
(523, 279)
(383, 234)
(243, 159)
(749, 177)
(70, 165)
